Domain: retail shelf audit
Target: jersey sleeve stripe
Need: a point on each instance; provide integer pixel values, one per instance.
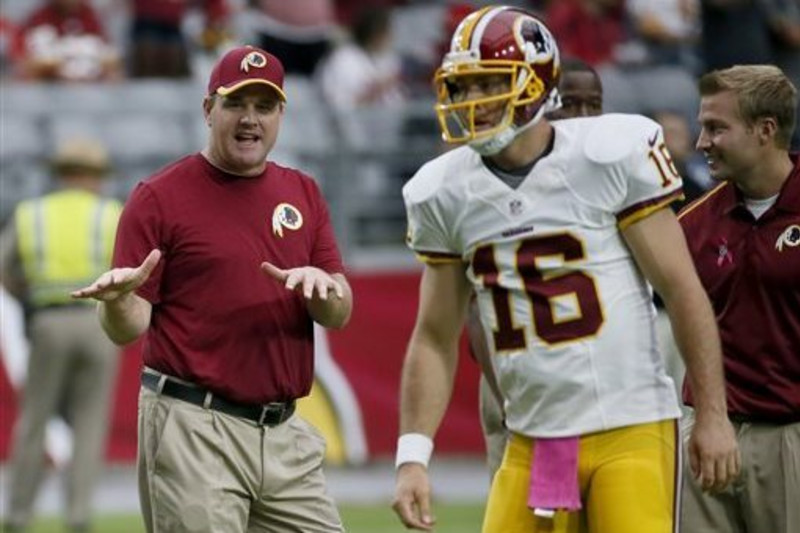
(644, 209)
(435, 258)
(692, 206)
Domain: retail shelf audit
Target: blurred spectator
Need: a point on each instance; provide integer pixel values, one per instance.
(783, 19)
(734, 32)
(63, 40)
(581, 91)
(365, 70)
(159, 47)
(349, 11)
(741, 32)
(7, 59)
(299, 32)
(54, 244)
(361, 81)
(669, 29)
(596, 31)
(591, 30)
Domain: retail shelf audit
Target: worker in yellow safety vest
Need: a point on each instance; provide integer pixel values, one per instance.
(54, 244)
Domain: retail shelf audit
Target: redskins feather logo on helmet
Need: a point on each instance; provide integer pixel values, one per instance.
(499, 78)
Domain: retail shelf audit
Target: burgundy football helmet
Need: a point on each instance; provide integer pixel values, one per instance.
(499, 77)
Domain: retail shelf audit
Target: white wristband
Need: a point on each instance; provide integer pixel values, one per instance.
(413, 448)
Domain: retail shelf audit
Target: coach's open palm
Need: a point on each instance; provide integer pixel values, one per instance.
(118, 282)
(309, 280)
(412, 497)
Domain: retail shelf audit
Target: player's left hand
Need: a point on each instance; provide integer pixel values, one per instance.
(412, 500)
(311, 281)
(713, 452)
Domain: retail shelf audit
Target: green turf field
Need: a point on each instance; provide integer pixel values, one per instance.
(357, 519)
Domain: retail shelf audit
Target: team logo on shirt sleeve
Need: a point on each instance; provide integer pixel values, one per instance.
(286, 216)
(789, 237)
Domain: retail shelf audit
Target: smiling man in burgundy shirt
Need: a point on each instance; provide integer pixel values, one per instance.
(744, 237)
(236, 259)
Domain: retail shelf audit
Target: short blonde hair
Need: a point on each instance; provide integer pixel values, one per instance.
(762, 91)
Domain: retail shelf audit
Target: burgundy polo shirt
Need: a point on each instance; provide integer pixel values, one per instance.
(751, 271)
(218, 320)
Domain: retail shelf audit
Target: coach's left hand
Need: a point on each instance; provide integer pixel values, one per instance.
(328, 297)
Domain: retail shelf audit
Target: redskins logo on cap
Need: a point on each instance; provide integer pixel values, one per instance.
(286, 216)
(253, 59)
(789, 237)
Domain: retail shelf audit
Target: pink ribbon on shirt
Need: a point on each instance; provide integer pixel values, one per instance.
(554, 476)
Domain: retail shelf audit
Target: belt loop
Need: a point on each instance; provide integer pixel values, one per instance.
(162, 380)
(207, 400)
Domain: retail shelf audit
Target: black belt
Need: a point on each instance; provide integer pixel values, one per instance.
(270, 414)
(77, 304)
(739, 418)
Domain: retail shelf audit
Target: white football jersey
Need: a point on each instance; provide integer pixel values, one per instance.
(566, 311)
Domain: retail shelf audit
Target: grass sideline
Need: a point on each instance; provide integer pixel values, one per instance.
(450, 518)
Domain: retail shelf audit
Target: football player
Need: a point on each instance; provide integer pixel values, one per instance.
(557, 227)
(581, 92)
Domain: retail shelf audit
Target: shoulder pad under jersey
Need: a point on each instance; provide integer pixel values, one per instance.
(613, 137)
(433, 175)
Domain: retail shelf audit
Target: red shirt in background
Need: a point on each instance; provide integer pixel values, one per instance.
(218, 320)
(63, 44)
(173, 11)
(751, 271)
(83, 21)
(592, 37)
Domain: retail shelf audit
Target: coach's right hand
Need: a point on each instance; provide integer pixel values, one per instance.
(118, 282)
(412, 497)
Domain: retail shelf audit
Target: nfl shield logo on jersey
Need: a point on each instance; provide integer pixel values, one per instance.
(515, 206)
(286, 216)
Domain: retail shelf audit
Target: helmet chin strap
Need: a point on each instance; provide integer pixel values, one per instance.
(497, 142)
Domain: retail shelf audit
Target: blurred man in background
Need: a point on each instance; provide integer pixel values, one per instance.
(581, 91)
(55, 244)
(64, 40)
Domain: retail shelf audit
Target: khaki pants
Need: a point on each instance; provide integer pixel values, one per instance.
(764, 499)
(71, 371)
(205, 471)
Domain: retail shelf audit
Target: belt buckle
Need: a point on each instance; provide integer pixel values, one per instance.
(273, 407)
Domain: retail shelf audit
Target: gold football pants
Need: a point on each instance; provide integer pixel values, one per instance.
(627, 478)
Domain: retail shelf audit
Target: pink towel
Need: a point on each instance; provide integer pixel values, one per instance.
(554, 476)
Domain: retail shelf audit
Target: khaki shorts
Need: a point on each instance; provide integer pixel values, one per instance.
(205, 471)
(766, 496)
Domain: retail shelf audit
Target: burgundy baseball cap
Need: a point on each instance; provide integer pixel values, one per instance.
(246, 65)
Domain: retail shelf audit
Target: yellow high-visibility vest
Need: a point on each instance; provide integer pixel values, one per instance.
(65, 241)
